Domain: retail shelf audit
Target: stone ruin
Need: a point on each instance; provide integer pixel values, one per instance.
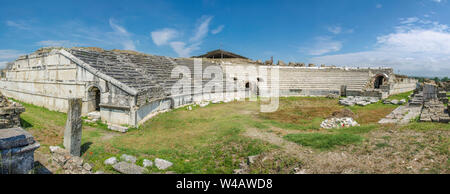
(427, 103)
(9, 113)
(17, 146)
(432, 101)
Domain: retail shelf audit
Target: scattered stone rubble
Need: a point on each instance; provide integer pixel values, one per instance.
(394, 101)
(435, 111)
(9, 113)
(433, 105)
(17, 146)
(127, 165)
(117, 128)
(69, 163)
(358, 100)
(93, 117)
(426, 102)
(340, 119)
(162, 164)
(402, 115)
(333, 123)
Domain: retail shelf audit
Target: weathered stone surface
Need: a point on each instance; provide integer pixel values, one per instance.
(87, 166)
(333, 96)
(17, 152)
(14, 137)
(252, 159)
(94, 115)
(162, 164)
(204, 104)
(128, 158)
(338, 123)
(110, 161)
(401, 115)
(9, 113)
(281, 63)
(72, 132)
(147, 163)
(128, 168)
(359, 100)
(118, 128)
(68, 163)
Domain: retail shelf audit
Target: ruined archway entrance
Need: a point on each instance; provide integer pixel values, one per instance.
(93, 99)
(378, 82)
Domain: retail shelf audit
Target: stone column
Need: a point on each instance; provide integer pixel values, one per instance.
(72, 132)
(429, 92)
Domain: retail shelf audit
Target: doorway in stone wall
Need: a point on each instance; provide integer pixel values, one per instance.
(378, 82)
(94, 99)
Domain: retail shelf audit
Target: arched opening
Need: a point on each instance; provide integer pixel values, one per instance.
(247, 85)
(94, 99)
(378, 82)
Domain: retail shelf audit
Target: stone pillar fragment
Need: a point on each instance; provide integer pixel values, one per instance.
(429, 92)
(72, 132)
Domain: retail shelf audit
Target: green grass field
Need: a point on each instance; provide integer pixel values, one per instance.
(213, 140)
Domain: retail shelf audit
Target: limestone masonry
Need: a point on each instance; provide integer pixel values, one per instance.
(127, 87)
(17, 146)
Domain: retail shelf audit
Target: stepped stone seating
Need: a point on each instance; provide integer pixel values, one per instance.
(148, 74)
(322, 79)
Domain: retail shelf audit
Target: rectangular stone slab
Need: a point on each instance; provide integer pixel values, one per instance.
(14, 137)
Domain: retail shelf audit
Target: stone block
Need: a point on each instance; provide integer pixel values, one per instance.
(118, 128)
(128, 168)
(17, 152)
(73, 129)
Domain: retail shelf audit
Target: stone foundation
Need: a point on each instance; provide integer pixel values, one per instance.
(17, 148)
(9, 113)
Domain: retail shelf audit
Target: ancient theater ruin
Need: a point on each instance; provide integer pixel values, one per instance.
(127, 87)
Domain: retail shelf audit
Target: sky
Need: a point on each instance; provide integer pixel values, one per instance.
(411, 36)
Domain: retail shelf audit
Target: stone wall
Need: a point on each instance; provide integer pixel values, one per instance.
(9, 113)
(49, 79)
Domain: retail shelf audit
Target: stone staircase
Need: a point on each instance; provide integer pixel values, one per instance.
(322, 79)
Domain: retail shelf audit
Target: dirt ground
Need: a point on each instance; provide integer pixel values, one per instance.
(383, 151)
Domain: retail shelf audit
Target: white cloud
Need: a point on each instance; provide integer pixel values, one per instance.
(183, 51)
(161, 37)
(18, 24)
(379, 6)
(322, 46)
(122, 36)
(8, 56)
(218, 29)
(437, 1)
(335, 29)
(202, 29)
(409, 20)
(416, 47)
(185, 48)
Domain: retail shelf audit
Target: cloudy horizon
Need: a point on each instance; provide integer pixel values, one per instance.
(413, 37)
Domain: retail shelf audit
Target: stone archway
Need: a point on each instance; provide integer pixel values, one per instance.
(94, 96)
(379, 80)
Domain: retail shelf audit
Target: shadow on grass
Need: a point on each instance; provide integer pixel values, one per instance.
(85, 147)
(25, 124)
(40, 169)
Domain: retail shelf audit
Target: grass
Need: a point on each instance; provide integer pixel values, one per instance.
(323, 141)
(206, 140)
(400, 96)
(210, 140)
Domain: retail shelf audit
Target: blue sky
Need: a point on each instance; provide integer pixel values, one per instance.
(412, 36)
